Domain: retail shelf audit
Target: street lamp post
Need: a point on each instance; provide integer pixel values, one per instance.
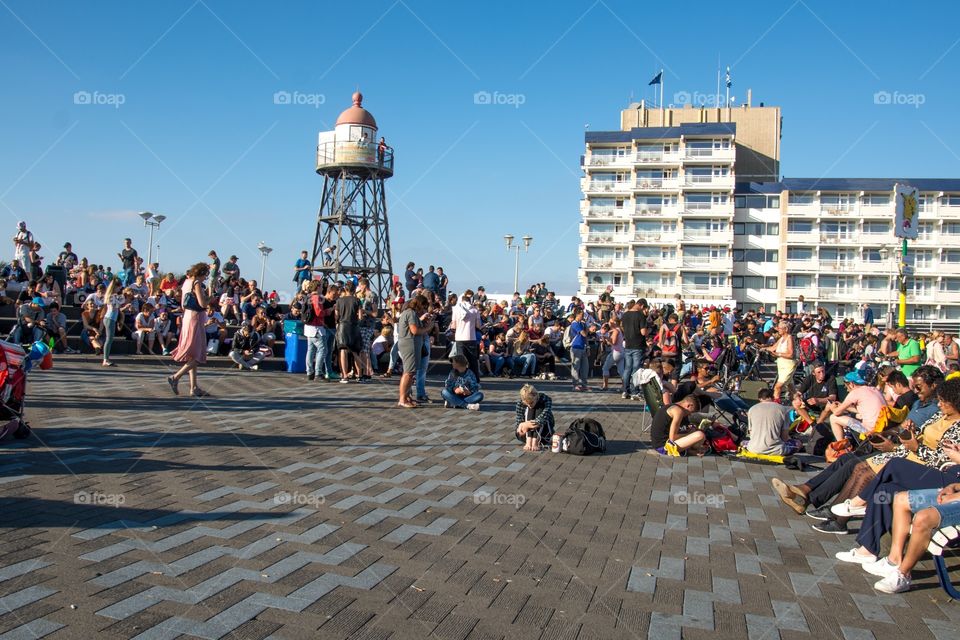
(516, 247)
(264, 252)
(153, 221)
(884, 257)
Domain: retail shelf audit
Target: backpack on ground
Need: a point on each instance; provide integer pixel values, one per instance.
(585, 437)
(722, 439)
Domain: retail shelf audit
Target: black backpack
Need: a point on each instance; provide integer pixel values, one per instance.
(584, 438)
(307, 313)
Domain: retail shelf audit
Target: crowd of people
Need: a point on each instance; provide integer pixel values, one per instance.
(890, 428)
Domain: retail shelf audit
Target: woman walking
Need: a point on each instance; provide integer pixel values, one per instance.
(191, 350)
(413, 326)
(783, 350)
(614, 340)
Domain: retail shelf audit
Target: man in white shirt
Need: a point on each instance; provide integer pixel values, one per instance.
(22, 243)
(465, 321)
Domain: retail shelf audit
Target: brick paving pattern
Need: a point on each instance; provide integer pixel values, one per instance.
(286, 509)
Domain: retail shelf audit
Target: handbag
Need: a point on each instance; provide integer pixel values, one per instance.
(837, 449)
(190, 302)
(213, 346)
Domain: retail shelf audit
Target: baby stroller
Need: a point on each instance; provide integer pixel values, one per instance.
(13, 386)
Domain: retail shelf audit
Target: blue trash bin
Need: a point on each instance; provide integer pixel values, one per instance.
(295, 353)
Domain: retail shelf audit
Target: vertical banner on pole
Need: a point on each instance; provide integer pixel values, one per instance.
(905, 226)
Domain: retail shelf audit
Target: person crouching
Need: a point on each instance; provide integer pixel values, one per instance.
(534, 423)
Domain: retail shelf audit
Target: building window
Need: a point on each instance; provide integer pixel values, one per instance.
(773, 228)
(951, 228)
(799, 280)
(877, 228)
(800, 199)
(950, 284)
(876, 200)
(737, 282)
(771, 282)
(738, 255)
(952, 200)
(875, 282)
(800, 226)
(800, 253)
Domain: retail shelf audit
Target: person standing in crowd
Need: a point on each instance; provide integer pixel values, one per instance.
(347, 313)
(614, 340)
(313, 331)
(302, 270)
(908, 352)
(128, 257)
(579, 360)
(231, 271)
(36, 261)
(431, 281)
(466, 318)
(67, 258)
(783, 349)
(867, 318)
(214, 271)
(413, 326)
(191, 349)
(634, 326)
(22, 243)
(112, 301)
(410, 279)
(444, 283)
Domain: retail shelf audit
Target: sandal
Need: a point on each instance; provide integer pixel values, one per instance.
(408, 405)
(173, 385)
(200, 393)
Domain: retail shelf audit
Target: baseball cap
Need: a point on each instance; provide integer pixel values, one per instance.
(856, 377)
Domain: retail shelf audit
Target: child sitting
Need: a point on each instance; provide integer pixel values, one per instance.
(534, 418)
(461, 389)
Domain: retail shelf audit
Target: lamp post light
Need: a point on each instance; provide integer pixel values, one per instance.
(153, 221)
(516, 247)
(264, 252)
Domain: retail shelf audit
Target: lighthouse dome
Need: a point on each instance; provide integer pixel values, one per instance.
(357, 114)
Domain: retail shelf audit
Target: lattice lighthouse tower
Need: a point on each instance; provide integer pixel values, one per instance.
(352, 230)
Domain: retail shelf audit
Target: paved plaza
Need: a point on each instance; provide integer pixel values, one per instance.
(285, 509)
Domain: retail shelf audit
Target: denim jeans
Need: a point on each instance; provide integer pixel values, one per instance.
(422, 371)
(496, 364)
(461, 401)
(109, 329)
(328, 337)
(394, 356)
(632, 362)
(579, 366)
(21, 329)
(317, 354)
(529, 362)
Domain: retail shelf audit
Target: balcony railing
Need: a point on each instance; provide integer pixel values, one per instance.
(803, 237)
(609, 161)
(608, 238)
(846, 266)
(606, 212)
(657, 183)
(723, 235)
(656, 210)
(705, 292)
(609, 186)
(354, 153)
(699, 153)
(661, 237)
(653, 157)
(707, 263)
(708, 181)
(838, 238)
(656, 263)
(707, 208)
(803, 265)
(607, 263)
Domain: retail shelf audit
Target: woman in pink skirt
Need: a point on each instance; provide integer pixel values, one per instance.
(192, 347)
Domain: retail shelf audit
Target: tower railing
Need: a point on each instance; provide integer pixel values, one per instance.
(354, 153)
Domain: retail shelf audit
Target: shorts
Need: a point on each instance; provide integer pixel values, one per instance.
(785, 369)
(855, 425)
(927, 498)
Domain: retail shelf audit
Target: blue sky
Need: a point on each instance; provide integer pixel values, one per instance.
(199, 138)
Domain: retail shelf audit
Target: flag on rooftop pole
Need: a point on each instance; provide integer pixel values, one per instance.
(729, 81)
(657, 79)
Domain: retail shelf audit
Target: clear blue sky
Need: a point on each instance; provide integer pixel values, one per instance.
(199, 138)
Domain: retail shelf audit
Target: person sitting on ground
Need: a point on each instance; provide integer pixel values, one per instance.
(672, 434)
(264, 326)
(90, 317)
(245, 348)
(817, 390)
(534, 418)
(769, 427)
(30, 322)
(380, 349)
(216, 326)
(143, 328)
(461, 388)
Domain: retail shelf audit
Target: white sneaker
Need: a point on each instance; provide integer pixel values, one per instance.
(856, 558)
(474, 406)
(847, 509)
(882, 567)
(446, 405)
(255, 367)
(895, 583)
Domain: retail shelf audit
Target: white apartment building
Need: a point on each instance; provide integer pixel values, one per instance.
(663, 214)
(658, 211)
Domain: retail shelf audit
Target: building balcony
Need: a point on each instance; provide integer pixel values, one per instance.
(607, 186)
(809, 293)
(708, 182)
(657, 184)
(944, 296)
(606, 212)
(838, 238)
(932, 240)
(803, 265)
(656, 264)
(598, 161)
(803, 237)
(694, 291)
(832, 211)
(656, 210)
(842, 266)
(354, 155)
(714, 237)
(656, 237)
(707, 264)
(657, 157)
(707, 209)
(597, 289)
(607, 263)
(803, 210)
(696, 154)
(608, 238)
